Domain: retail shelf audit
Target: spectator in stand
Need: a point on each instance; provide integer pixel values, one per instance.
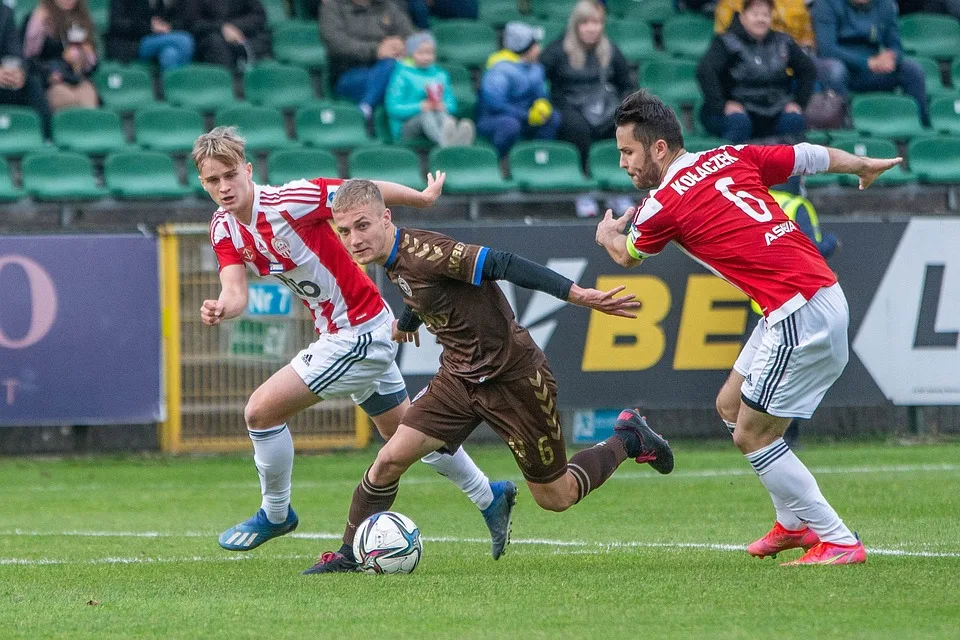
(513, 102)
(364, 38)
(421, 10)
(19, 83)
(59, 41)
(789, 16)
(420, 102)
(755, 81)
(148, 30)
(860, 41)
(232, 33)
(588, 78)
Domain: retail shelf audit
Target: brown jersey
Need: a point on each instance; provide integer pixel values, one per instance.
(442, 281)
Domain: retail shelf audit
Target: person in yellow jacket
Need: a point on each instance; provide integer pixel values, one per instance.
(789, 16)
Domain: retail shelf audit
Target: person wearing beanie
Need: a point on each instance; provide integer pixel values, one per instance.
(513, 103)
(420, 101)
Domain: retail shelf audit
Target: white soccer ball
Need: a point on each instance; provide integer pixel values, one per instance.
(388, 542)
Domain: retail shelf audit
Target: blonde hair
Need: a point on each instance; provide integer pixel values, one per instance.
(577, 54)
(223, 144)
(353, 193)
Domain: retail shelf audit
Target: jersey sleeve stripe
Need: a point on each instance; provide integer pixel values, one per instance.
(478, 266)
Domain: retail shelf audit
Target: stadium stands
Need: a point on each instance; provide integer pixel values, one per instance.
(473, 169)
(547, 165)
(20, 131)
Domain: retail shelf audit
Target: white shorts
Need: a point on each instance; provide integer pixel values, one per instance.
(351, 364)
(788, 367)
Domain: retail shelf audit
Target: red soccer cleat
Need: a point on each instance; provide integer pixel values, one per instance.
(830, 553)
(780, 539)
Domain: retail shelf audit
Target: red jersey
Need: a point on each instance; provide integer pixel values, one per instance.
(290, 238)
(716, 206)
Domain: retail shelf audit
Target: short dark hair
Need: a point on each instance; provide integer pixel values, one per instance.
(749, 3)
(651, 119)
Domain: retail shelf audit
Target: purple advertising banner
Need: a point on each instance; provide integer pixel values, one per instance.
(79, 330)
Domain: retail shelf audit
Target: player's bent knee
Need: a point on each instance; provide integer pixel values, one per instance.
(256, 416)
(552, 497)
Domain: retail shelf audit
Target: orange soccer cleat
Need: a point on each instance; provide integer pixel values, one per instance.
(780, 539)
(830, 553)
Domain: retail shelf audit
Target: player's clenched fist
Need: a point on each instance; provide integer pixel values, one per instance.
(211, 312)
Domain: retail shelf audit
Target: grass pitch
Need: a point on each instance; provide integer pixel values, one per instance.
(122, 548)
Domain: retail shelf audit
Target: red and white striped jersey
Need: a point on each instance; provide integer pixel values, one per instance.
(717, 207)
(290, 238)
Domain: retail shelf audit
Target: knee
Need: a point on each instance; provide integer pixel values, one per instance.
(389, 466)
(744, 440)
(737, 127)
(834, 75)
(912, 71)
(727, 409)
(792, 123)
(185, 45)
(255, 415)
(555, 502)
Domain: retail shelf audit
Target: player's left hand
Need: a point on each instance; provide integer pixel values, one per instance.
(434, 187)
(607, 302)
(873, 167)
(611, 227)
(405, 336)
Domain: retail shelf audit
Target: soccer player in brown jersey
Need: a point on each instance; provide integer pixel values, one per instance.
(490, 370)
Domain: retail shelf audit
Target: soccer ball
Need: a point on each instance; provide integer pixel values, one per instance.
(388, 542)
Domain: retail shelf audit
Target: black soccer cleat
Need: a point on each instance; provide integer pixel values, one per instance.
(643, 443)
(332, 562)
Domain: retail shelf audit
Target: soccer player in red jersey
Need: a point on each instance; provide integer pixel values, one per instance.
(716, 207)
(285, 232)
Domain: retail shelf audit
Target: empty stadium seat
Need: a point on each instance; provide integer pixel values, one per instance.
(547, 165)
(935, 160)
(333, 126)
(169, 129)
(674, 81)
(928, 34)
(125, 88)
(886, 115)
(262, 127)
(551, 9)
(277, 14)
(651, 11)
(634, 39)
(876, 148)
(687, 36)
(461, 83)
(299, 43)
(287, 166)
(8, 193)
(204, 87)
(945, 114)
(696, 144)
(92, 131)
(60, 176)
(551, 28)
(20, 131)
(604, 163)
(278, 86)
(396, 164)
(499, 12)
(142, 175)
(469, 170)
(465, 42)
(932, 77)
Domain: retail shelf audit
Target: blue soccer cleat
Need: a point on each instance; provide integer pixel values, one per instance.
(252, 533)
(497, 515)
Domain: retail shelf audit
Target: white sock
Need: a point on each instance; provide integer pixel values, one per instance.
(790, 482)
(463, 472)
(273, 455)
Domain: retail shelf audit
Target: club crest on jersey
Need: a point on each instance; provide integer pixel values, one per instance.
(331, 191)
(404, 286)
(779, 230)
(248, 254)
(281, 247)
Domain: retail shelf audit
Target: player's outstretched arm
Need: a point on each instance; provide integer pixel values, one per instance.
(610, 236)
(397, 194)
(869, 169)
(233, 296)
(607, 302)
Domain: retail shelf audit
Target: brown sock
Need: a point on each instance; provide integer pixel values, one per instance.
(591, 467)
(368, 499)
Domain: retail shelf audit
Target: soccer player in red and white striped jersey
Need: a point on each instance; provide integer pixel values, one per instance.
(716, 207)
(284, 232)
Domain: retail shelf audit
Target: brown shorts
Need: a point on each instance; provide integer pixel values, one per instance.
(523, 412)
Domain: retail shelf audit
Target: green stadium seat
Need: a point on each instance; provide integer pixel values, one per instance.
(955, 73)
(604, 163)
(935, 160)
(332, 126)
(193, 181)
(20, 131)
(932, 35)
(461, 83)
(634, 39)
(548, 165)
(167, 129)
(696, 144)
(22, 9)
(818, 136)
(299, 43)
(8, 193)
(887, 116)
(305, 9)
(287, 166)
(876, 148)
(651, 11)
(466, 42)
(262, 127)
(278, 86)
(100, 13)
(674, 81)
(60, 176)
(550, 29)
(142, 175)
(551, 9)
(945, 114)
(819, 180)
(205, 87)
(473, 169)
(125, 89)
(90, 131)
(932, 77)
(277, 14)
(396, 164)
(687, 36)
(499, 12)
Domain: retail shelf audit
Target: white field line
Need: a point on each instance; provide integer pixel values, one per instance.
(622, 475)
(562, 547)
